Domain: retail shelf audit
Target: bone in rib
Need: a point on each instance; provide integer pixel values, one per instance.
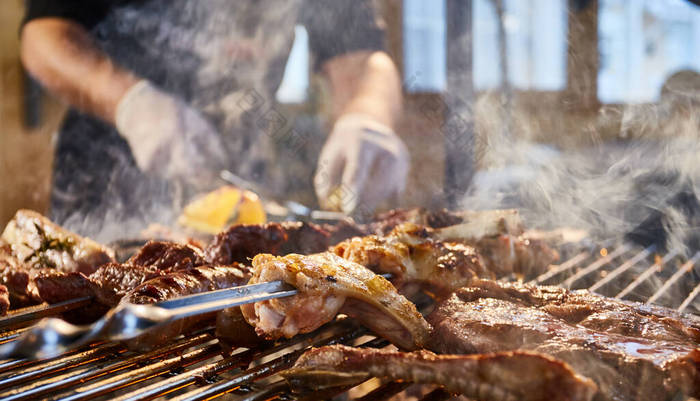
(506, 376)
(632, 351)
(329, 285)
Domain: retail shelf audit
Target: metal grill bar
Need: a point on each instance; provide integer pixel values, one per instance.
(686, 268)
(596, 265)
(657, 266)
(31, 313)
(623, 268)
(693, 294)
(569, 264)
(385, 391)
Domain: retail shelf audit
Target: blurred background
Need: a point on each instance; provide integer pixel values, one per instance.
(488, 84)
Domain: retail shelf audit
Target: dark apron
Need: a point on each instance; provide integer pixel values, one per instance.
(225, 58)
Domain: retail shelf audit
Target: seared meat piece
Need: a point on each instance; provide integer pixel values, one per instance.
(111, 282)
(233, 331)
(4, 300)
(242, 242)
(632, 351)
(38, 242)
(414, 258)
(506, 376)
(466, 224)
(185, 282)
(506, 254)
(329, 285)
(164, 255)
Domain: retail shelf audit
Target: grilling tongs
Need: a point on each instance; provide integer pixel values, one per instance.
(53, 336)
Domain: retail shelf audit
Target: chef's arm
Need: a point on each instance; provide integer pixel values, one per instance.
(365, 82)
(61, 54)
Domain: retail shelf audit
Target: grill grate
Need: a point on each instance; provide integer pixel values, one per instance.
(193, 368)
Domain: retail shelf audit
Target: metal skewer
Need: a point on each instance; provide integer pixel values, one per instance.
(53, 336)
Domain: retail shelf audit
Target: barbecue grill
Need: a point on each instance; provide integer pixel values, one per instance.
(194, 368)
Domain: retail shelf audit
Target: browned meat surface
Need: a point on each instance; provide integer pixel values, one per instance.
(180, 283)
(162, 255)
(415, 259)
(242, 242)
(233, 331)
(4, 300)
(186, 282)
(39, 243)
(507, 254)
(383, 223)
(329, 285)
(506, 376)
(464, 224)
(632, 351)
(109, 283)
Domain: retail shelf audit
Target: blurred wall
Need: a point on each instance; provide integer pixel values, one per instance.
(25, 153)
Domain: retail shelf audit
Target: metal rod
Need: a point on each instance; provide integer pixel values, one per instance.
(685, 268)
(560, 268)
(129, 361)
(623, 268)
(138, 375)
(658, 265)
(339, 331)
(266, 369)
(385, 391)
(596, 265)
(36, 312)
(59, 364)
(686, 302)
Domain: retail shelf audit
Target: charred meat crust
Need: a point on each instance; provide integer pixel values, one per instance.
(631, 351)
(241, 242)
(513, 376)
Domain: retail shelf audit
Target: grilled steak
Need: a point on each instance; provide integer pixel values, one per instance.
(176, 284)
(507, 254)
(506, 376)
(632, 351)
(327, 285)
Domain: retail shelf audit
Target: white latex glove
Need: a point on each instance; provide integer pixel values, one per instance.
(167, 137)
(362, 164)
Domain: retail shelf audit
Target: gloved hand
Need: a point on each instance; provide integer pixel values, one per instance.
(362, 164)
(167, 137)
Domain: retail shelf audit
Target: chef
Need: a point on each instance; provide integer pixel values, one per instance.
(174, 91)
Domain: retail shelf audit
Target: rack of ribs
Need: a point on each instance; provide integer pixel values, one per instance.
(329, 285)
(505, 376)
(632, 351)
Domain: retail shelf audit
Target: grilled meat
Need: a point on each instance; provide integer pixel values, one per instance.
(327, 285)
(39, 243)
(415, 259)
(184, 282)
(453, 225)
(4, 300)
(507, 376)
(109, 283)
(507, 254)
(632, 351)
(242, 242)
(167, 256)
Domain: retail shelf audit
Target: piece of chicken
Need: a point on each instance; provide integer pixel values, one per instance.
(415, 259)
(328, 285)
